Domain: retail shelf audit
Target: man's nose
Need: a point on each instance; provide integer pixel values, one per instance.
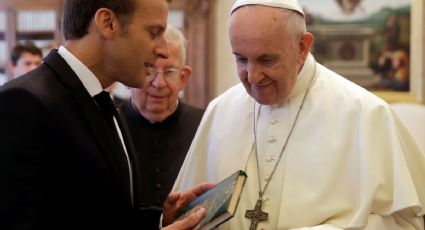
(162, 50)
(159, 80)
(255, 74)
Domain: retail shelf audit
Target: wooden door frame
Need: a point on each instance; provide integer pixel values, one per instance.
(196, 22)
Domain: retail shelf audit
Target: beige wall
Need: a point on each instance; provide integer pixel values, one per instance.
(223, 66)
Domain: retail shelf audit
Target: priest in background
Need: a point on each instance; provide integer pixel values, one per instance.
(161, 126)
(320, 152)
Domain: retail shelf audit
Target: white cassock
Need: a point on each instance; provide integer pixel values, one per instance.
(349, 162)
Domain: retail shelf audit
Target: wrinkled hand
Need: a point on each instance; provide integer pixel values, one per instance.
(176, 201)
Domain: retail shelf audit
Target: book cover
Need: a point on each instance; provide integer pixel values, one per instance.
(220, 202)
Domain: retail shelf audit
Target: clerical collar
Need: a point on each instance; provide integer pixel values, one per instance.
(140, 118)
(305, 78)
(171, 115)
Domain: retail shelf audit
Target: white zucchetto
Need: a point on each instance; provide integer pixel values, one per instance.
(285, 4)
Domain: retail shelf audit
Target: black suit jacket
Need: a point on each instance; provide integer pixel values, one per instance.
(58, 169)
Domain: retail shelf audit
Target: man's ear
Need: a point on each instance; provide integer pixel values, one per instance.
(106, 22)
(185, 75)
(305, 44)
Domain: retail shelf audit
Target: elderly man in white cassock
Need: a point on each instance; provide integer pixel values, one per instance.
(320, 152)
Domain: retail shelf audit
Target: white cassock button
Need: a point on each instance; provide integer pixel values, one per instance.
(273, 122)
(267, 178)
(272, 140)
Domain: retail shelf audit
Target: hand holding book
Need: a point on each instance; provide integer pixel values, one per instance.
(220, 202)
(176, 201)
(189, 222)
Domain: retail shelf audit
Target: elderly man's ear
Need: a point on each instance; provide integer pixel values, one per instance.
(186, 74)
(305, 44)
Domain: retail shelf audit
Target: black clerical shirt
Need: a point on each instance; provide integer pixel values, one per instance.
(161, 149)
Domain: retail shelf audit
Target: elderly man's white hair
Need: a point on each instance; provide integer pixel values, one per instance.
(172, 34)
(285, 4)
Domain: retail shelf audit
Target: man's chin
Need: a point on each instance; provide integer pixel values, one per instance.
(264, 99)
(134, 84)
(265, 102)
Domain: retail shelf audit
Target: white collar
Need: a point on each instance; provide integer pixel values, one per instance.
(87, 77)
(306, 77)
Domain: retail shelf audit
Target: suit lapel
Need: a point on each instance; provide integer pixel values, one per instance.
(125, 131)
(92, 115)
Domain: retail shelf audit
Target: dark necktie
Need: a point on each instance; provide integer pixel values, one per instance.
(109, 110)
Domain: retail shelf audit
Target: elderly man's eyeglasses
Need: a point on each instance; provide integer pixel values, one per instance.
(171, 73)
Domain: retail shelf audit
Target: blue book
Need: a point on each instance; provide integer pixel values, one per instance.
(220, 202)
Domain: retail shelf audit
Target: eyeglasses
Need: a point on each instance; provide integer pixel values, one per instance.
(171, 73)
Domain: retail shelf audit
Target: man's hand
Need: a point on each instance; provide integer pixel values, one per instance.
(177, 200)
(187, 223)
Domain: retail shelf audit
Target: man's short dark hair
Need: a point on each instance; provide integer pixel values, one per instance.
(27, 47)
(77, 14)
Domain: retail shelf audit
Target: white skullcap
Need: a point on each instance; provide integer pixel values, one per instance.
(285, 4)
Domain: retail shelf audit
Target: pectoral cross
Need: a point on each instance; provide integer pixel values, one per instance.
(256, 215)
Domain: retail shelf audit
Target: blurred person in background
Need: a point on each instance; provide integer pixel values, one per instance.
(24, 58)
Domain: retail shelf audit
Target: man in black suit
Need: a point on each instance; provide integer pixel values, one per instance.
(65, 162)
